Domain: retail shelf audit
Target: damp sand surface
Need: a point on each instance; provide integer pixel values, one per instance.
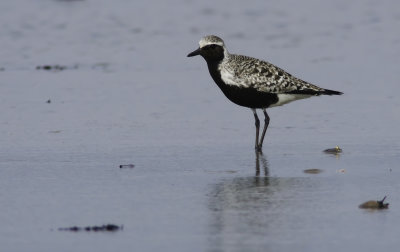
(86, 87)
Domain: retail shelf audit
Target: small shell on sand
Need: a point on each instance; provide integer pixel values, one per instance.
(372, 204)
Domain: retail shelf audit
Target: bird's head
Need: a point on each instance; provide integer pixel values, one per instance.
(211, 48)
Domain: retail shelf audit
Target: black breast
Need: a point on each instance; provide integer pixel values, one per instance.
(246, 97)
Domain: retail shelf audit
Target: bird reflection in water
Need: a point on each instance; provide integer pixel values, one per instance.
(245, 193)
(236, 205)
(264, 164)
(252, 207)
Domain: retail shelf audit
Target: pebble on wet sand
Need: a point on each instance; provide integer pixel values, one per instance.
(312, 171)
(335, 150)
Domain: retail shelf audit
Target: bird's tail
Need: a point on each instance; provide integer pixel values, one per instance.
(330, 92)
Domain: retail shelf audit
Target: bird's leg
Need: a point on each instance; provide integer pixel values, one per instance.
(266, 123)
(257, 129)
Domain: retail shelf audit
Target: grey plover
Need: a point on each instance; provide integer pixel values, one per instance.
(253, 83)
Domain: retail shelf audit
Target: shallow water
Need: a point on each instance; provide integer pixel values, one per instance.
(129, 95)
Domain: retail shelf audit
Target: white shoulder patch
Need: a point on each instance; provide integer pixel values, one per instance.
(229, 79)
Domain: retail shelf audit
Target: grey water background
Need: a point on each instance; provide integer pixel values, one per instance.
(130, 95)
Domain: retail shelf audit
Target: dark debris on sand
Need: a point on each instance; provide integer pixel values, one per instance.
(51, 67)
(55, 68)
(127, 166)
(103, 228)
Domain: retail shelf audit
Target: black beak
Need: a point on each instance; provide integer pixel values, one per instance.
(194, 53)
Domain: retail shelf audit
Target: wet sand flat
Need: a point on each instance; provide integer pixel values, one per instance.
(124, 93)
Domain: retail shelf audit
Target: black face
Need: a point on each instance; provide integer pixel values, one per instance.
(212, 52)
